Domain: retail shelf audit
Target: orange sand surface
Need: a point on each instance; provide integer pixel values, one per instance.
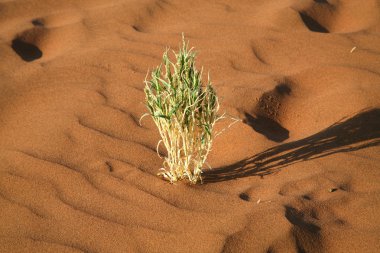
(299, 173)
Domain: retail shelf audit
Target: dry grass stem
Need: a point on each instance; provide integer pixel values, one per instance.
(184, 110)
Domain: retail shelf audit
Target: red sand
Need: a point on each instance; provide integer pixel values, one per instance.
(299, 173)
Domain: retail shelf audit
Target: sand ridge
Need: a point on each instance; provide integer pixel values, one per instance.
(298, 173)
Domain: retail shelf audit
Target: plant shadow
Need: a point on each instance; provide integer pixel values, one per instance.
(360, 131)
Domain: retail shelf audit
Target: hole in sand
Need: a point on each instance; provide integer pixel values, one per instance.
(27, 51)
(312, 24)
(283, 89)
(307, 197)
(244, 196)
(37, 22)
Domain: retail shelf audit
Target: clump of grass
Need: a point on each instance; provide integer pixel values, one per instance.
(185, 112)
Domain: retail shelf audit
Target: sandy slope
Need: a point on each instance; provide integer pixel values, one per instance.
(300, 173)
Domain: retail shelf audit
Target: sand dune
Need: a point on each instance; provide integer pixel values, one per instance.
(299, 173)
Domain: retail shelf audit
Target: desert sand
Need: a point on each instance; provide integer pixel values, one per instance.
(299, 173)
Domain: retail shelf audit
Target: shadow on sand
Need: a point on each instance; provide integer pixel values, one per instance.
(358, 132)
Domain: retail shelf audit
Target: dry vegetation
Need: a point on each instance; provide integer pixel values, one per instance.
(185, 112)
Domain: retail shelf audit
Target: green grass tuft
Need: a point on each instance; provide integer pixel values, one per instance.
(185, 112)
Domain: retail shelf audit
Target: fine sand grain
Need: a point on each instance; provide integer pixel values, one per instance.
(299, 173)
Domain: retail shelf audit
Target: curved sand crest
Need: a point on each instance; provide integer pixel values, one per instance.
(299, 173)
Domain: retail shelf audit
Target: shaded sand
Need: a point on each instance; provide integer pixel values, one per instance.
(299, 173)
